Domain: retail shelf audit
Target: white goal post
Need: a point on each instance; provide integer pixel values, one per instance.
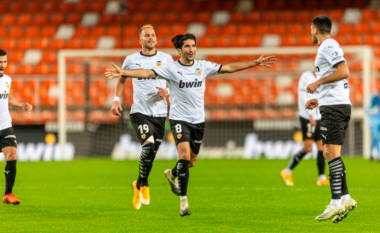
(366, 53)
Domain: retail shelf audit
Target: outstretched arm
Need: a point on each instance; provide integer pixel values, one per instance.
(12, 101)
(238, 66)
(139, 73)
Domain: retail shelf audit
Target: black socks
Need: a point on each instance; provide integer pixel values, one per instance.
(10, 175)
(146, 163)
(321, 163)
(336, 167)
(296, 159)
(183, 176)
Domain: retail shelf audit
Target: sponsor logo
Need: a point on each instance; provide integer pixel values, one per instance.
(7, 84)
(159, 140)
(10, 136)
(4, 96)
(345, 85)
(324, 136)
(329, 47)
(158, 63)
(317, 69)
(335, 53)
(323, 128)
(138, 64)
(337, 58)
(194, 84)
(143, 136)
(198, 141)
(179, 136)
(178, 72)
(7, 172)
(179, 166)
(199, 72)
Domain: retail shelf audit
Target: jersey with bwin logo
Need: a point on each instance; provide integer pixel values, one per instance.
(187, 87)
(5, 87)
(145, 98)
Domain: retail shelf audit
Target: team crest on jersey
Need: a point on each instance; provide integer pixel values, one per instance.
(158, 63)
(308, 135)
(316, 55)
(7, 85)
(143, 136)
(179, 136)
(199, 71)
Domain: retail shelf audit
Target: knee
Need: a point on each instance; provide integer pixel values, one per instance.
(192, 163)
(149, 152)
(307, 148)
(11, 156)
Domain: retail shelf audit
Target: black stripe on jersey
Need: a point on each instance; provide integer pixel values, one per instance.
(338, 63)
(154, 72)
(220, 68)
(148, 55)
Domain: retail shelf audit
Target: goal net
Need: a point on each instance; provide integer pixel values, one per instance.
(249, 114)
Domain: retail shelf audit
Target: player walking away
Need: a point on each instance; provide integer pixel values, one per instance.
(335, 106)
(149, 108)
(310, 124)
(374, 123)
(186, 81)
(8, 141)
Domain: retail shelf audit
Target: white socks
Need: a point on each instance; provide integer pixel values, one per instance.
(346, 197)
(336, 202)
(288, 171)
(322, 177)
(183, 197)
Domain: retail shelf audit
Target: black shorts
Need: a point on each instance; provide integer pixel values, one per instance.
(187, 132)
(309, 131)
(334, 123)
(146, 126)
(7, 138)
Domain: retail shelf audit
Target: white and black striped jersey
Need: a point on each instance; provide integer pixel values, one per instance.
(187, 87)
(145, 98)
(306, 78)
(329, 55)
(5, 87)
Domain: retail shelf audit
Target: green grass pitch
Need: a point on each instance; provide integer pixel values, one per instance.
(95, 195)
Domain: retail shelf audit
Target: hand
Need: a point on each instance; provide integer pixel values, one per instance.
(162, 93)
(27, 107)
(265, 61)
(311, 104)
(312, 87)
(113, 73)
(313, 122)
(116, 108)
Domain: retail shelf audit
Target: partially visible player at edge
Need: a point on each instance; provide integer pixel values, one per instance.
(335, 107)
(186, 80)
(310, 124)
(8, 141)
(149, 109)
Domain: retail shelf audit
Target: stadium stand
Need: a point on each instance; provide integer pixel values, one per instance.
(36, 30)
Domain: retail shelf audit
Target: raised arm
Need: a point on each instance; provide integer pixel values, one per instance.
(238, 66)
(342, 72)
(139, 73)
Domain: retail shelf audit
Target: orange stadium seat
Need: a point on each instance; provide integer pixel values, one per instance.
(82, 32)
(279, 28)
(239, 41)
(8, 19)
(179, 6)
(270, 16)
(97, 31)
(57, 19)
(261, 29)
(113, 31)
(236, 114)
(16, 31)
(346, 28)
(336, 15)
(289, 40)
(146, 6)
(163, 6)
(78, 115)
(354, 39)
(237, 17)
(296, 28)
(139, 19)
(218, 114)
(28, 119)
(130, 31)
(15, 56)
(163, 30)
(34, 7)
(372, 39)
(74, 43)
(304, 40)
(178, 29)
(4, 8)
(66, 7)
(278, 5)
(252, 114)
(270, 113)
(362, 28)
(57, 44)
(341, 39)
(106, 19)
(254, 41)
(98, 7)
(48, 31)
(262, 5)
(33, 31)
(24, 19)
(206, 41)
(253, 17)
(304, 15)
(41, 19)
(49, 56)
(75, 69)
(368, 15)
(25, 69)
(49, 7)
(46, 116)
(229, 29)
(245, 29)
(42, 68)
(213, 30)
(41, 43)
(154, 17)
(12, 68)
(81, 7)
(24, 43)
(73, 19)
(375, 27)
(17, 7)
(285, 16)
(203, 17)
(90, 43)
(171, 17)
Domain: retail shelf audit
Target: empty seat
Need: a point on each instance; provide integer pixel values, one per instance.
(49, 7)
(33, 31)
(8, 19)
(34, 7)
(41, 43)
(41, 19)
(24, 19)
(73, 19)
(16, 31)
(66, 7)
(57, 19)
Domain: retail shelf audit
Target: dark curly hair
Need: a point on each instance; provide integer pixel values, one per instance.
(179, 39)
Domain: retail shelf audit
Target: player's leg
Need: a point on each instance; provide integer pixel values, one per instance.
(144, 132)
(10, 175)
(308, 140)
(183, 175)
(322, 179)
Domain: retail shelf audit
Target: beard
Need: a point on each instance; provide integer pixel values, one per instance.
(314, 39)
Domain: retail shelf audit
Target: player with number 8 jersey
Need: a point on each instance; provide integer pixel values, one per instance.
(186, 81)
(149, 109)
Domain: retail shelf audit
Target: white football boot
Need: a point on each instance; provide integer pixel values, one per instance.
(336, 213)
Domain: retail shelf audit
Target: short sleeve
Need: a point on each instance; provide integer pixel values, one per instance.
(333, 53)
(126, 64)
(169, 58)
(163, 71)
(212, 69)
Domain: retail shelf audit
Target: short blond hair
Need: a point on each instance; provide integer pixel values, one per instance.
(145, 27)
